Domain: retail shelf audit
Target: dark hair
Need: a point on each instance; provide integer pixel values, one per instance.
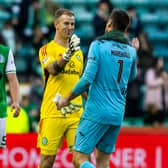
(107, 2)
(63, 11)
(130, 8)
(120, 19)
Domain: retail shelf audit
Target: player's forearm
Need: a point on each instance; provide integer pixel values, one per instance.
(81, 86)
(85, 95)
(56, 67)
(14, 87)
(59, 65)
(71, 96)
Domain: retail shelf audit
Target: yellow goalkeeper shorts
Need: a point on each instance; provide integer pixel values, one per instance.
(52, 131)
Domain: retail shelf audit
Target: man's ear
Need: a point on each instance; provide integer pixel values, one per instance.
(55, 23)
(110, 24)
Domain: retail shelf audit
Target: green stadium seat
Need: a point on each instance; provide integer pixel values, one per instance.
(139, 122)
(160, 51)
(75, 2)
(140, 3)
(85, 31)
(81, 14)
(21, 64)
(4, 15)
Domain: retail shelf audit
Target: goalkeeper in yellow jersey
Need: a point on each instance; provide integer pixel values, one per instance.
(62, 65)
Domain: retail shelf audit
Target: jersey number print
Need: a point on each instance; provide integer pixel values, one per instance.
(120, 62)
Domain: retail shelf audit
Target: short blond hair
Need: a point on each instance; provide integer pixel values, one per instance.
(63, 11)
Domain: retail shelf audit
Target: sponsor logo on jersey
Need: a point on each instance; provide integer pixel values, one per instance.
(70, 72)
(71, 64)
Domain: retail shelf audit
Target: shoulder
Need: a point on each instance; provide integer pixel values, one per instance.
(4, 48)
(44, 49)
(96, 44)
(132, 50)
(49, 44)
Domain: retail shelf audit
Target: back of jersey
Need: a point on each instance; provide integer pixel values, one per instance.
(116, 65)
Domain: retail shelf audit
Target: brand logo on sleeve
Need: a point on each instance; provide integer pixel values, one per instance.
(45, 60)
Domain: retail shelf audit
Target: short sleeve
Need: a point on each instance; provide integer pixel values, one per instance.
(10, 66)
(45, 56)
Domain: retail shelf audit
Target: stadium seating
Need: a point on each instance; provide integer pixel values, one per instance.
(21, 65)
(150, 17)
(4, 15)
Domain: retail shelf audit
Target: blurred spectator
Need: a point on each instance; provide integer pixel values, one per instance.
(38, 39)
(22, 20)
(36, 92)
(51, 7)
(145, 52)
(8, 34)
(32, 111)
(155, 94)
(2, 41)
(133, 101)
(36, 16)
(100, 19)
(32, 13)
(135, 28)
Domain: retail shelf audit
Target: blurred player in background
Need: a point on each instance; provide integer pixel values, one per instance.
(7, 69)
(62, 65)
(111, 65)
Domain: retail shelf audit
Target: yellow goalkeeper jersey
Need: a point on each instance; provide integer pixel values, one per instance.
(61, 83)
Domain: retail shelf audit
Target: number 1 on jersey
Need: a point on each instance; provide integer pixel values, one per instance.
(120, 62)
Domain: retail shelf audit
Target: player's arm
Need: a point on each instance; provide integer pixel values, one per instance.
(87, 78)
(134, 67)
(84, 95)
(56, 67)
(13, 84)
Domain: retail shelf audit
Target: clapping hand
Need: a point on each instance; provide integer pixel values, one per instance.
(135, 43)
(73, 46)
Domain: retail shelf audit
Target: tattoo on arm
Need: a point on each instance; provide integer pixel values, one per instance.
(57, 68)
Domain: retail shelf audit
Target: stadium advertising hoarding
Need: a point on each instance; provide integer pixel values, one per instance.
(132, 151)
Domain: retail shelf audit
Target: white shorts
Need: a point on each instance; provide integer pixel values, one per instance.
(2, 132)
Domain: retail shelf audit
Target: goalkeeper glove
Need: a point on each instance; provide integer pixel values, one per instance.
(71, 108)
(73, 46)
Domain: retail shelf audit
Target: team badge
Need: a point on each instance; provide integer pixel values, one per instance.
(78, 57)
(2, 60)
(44, 141)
